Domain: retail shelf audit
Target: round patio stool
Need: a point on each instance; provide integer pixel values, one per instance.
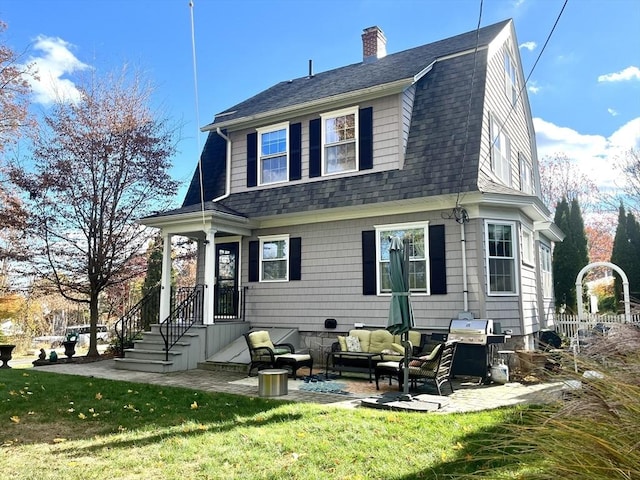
(273, 382)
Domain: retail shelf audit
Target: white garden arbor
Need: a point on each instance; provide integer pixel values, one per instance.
(625, 288)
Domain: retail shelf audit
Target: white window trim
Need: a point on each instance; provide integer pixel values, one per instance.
(271, 238)
(546, 273)
(527, 248)
(526, 166)
(337, 113)
(261, 131)
(497, 130)
(511, 83)
(514, 258)
(403, 226)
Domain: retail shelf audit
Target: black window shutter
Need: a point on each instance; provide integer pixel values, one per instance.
(252, 159)
(295, 151)
(254, 261)
(365, 138)
(295, 258)
(437, 262)
(315, 157)
(369, 284)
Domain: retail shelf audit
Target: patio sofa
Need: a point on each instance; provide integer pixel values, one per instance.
(361, 350)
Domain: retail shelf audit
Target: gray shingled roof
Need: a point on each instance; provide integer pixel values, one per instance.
(394, 67)
(438, 138)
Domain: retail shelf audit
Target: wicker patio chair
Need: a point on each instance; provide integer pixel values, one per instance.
(266, 354)
(435, 367)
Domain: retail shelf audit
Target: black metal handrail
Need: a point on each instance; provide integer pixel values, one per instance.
(187, 312)
(138, 319)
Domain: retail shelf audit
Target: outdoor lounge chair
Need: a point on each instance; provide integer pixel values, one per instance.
(435, 367)
(266, 354)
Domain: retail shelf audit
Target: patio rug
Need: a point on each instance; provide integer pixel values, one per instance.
(317, 383)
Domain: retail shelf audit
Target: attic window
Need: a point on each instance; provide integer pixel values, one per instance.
(511, 79)
(274, 158)
(500, 152)
(339, 141)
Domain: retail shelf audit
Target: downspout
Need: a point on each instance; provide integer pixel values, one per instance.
(227, 185)
(465, 291)
(461, 216)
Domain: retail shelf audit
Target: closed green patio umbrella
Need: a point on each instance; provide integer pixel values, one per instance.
(400, 311)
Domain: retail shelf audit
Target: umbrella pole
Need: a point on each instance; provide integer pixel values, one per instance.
(407, 347)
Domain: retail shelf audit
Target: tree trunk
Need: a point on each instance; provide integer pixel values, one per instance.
(93, 337)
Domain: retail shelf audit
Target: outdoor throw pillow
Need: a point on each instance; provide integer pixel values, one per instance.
(342, 340)
(353, 344)
(398, 348)
(389, 351)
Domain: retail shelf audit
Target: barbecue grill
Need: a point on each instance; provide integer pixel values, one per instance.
(473, 353)
(473, 331)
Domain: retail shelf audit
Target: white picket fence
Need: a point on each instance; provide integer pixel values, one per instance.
(568, 325)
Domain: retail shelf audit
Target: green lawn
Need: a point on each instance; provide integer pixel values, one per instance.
(69, 427)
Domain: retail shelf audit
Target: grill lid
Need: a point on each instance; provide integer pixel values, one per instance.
(478, 326)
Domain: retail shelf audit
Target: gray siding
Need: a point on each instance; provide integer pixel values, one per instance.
(331, 285)
(387, 144)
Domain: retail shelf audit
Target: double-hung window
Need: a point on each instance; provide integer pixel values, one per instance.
(500, 152)
(415, 238)
(511, 78)
(274, 258)
(501, 258)
(546, 270)
(274, 157)
(526, 175)
(339, 141)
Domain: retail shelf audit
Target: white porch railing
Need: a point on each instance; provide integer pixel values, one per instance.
(568, 325)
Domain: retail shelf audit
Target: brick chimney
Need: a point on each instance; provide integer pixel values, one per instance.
(374, 44)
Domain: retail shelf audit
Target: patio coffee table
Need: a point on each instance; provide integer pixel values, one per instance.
(371, 360)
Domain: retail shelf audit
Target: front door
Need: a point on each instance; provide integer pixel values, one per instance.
(226, 287)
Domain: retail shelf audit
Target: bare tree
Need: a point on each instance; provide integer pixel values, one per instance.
(559, 178)
(99, 164)
(14, 121)
(629, 163)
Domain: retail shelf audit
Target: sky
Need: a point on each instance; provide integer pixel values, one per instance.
(209, 55)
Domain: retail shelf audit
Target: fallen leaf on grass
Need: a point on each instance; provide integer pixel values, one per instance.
(15, 419)
(59, 440)
(98, 396)
(194, 405)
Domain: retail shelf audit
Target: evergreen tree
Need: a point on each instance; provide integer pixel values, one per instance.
(570, 256)
(633, 230)
(561, 283)
(626, 250)
(580, 255)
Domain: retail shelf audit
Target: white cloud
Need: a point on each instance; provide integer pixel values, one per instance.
(529, 45)
(629, 73)
(612, 112)
(595, 155)
(54, 60)
(533, 87)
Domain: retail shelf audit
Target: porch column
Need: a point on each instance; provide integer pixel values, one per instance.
(209, 277)
(165, 282)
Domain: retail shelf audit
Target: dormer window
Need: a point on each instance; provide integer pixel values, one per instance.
(274, 158)
(340, 141)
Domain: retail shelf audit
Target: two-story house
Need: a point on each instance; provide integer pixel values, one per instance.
(300, 187)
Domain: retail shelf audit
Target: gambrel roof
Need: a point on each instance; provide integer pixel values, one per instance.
(443, 147)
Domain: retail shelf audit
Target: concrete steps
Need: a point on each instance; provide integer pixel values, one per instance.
(148, 354)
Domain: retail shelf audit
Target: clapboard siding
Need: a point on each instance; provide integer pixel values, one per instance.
(512, 119)
(331, 284)
(386, 144)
